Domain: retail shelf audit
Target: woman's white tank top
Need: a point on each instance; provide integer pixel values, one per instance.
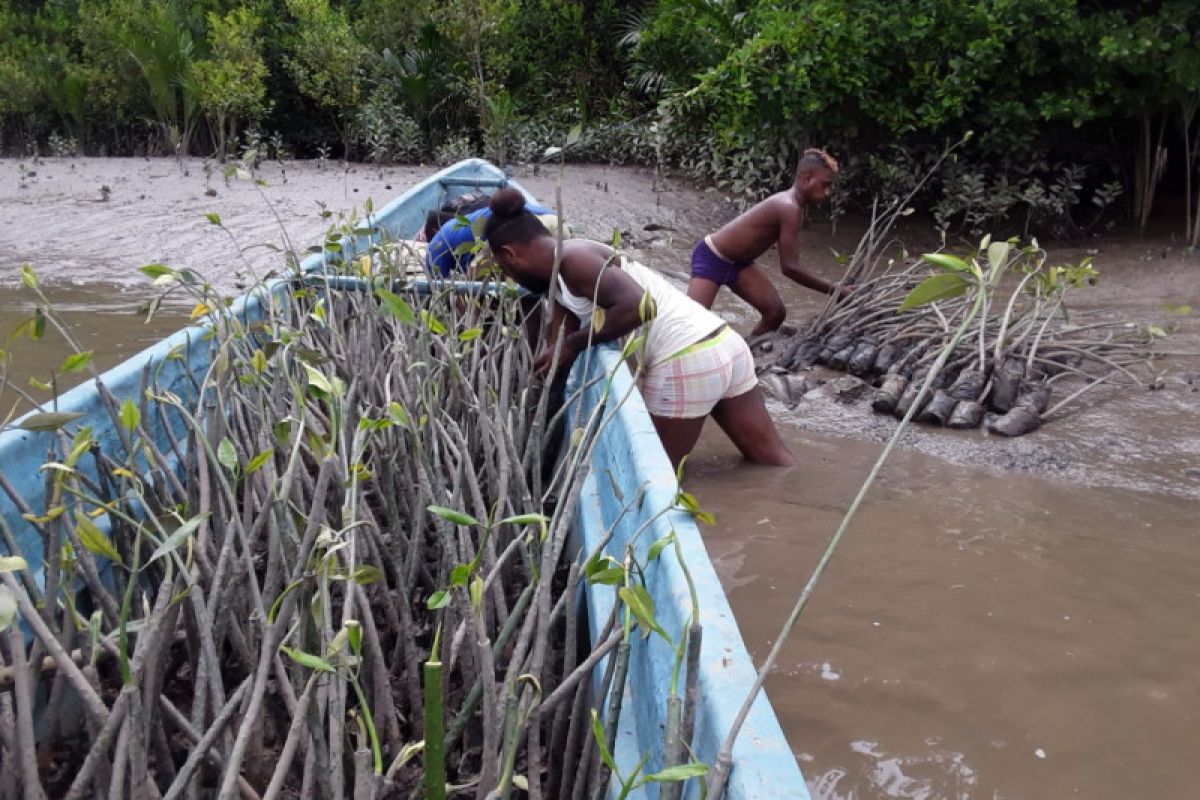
(680, 321)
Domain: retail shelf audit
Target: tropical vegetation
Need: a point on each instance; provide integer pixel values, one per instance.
(1073, 107)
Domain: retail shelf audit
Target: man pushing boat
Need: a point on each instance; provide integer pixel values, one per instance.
(693, 364)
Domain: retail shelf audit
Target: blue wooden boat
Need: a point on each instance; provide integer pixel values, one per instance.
(628, 465)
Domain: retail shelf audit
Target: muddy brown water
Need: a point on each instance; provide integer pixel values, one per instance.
(1004, 619)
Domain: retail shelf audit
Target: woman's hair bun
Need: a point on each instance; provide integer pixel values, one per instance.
(507, 203)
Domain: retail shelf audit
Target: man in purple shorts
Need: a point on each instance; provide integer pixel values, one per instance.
(726, 258)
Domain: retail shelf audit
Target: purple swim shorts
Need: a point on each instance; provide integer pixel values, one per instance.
(707, 263)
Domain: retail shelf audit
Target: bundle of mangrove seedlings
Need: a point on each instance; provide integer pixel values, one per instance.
(332, 564)
(1022, 358)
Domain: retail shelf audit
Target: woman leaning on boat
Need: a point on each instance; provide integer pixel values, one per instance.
(694, 365)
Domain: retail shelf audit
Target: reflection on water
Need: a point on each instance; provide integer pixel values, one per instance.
(103, 318)
(979, 633)
(873, 772)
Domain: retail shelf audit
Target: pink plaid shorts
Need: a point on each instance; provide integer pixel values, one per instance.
(691, 382)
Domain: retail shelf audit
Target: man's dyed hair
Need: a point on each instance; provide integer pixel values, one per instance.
(814, 158)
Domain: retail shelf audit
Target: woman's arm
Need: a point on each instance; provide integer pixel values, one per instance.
(624, 304)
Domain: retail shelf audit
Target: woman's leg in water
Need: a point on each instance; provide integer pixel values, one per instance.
(748, 425)
(678, 435)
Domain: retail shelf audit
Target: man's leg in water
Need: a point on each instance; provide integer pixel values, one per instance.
(748, 425)
(753, 286)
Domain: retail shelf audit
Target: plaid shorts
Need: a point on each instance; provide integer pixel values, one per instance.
(691, 382)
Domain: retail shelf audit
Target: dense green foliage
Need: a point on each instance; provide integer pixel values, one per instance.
(1070, 102)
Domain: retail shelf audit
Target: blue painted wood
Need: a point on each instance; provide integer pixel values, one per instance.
(629, 467)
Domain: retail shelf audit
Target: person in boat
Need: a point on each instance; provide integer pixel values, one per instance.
(693, 365)
(463, 204)
(726, 258)
(450, 245)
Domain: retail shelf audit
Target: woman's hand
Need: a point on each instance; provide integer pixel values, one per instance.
(545, 360)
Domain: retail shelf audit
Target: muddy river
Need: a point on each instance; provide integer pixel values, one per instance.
(1004, 619)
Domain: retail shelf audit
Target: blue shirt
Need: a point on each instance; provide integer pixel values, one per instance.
(454, 235)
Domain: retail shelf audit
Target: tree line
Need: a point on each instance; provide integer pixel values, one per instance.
(1072, 110)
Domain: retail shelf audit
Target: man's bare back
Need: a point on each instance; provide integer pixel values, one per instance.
(753, 233)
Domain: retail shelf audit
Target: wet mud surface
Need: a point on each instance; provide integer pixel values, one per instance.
(1006, 618)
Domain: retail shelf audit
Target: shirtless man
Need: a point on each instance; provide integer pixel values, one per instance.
(726, 258)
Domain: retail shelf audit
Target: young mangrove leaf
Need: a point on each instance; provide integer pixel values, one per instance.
(156, 271)
(394, 305)
(477, 593)
(938, 287)
(307, 659)
(642, 605)
(679, 772)
(8, 608)
(450, 515)
(12, 563)
(433, 323)
(947, 262)
(48, 421)
(657, 548)
(439, 599)
(131, 415)
(76, 362)
(469, 334)
(460, 574)
(601, 743)
(29, 277)
(94, 539)
(178, 537)
(259, 460)
(213, 218)
(227, 454)
(366, 574)
(997, 253)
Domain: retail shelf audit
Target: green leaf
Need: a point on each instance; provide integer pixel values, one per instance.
(469, 334)
(177, 537)
(433, 323)
(213, 218)
(156, 271)
(575, 133)
(227, 454)
(642, 605)
(395, 306)
(258, 362)
(279, 600)
(439, 599)
(8, 608)
(366, 574)
(597, 319)
(947, 261)
(318, 379)
(49, 421)
(938, 287)
(76, 362)
(1157, 331)
(12, 564)
(94, 540)
(525, 519)
(308, 660)
(450, 515)
(398, 415)
(997, 253)
(598, 733)
(460, 574)
(477, 593)
(29, 277)
(656, 549)
(259, 460)
(613, 576)
(679, 772)
(130, 415)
